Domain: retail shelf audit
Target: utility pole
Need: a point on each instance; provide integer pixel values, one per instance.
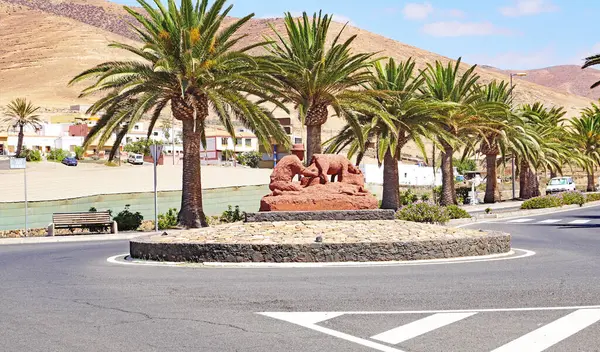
(521, 74)
(173, 137)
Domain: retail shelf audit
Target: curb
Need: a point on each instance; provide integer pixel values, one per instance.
(519, 213)
(77, 238)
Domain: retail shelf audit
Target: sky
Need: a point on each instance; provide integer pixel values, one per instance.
(508, 34)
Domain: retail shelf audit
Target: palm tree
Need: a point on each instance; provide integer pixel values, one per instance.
(591, 61)
(314, 76)
(456, 95)
(585, 132)
(186, 61)
(547, 127)
(411, 119)
(21, 114)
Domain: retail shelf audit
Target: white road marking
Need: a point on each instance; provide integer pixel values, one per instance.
(420, 327)
(550, 334)
(549, 221)
(515, 253)
(520, 220)
(579, 222)
(535, 341)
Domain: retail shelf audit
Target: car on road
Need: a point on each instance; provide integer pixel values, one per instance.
(560, 184)
(136, 159)
(69, 161)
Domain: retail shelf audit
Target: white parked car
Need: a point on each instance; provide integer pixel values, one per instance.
(136, 159)
(560, 184)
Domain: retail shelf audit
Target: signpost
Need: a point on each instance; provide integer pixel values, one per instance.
(155, 151)
(21, 163)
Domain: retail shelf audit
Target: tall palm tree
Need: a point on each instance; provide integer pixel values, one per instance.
(21, 113)
(412, 119)
(585, 132)
(592, 61)
(186, 62)
(547, 126)
(314, 76)
(456, 94)
(504, 132)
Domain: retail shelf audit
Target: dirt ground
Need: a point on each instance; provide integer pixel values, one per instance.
(49, 180)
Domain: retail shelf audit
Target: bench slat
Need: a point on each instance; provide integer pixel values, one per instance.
(78, 219)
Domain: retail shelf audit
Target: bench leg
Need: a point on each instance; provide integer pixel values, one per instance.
(114, 228)
(51, 230)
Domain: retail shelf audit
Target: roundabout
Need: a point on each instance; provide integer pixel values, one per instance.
(319, 242)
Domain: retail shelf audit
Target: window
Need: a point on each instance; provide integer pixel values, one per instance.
(223, 141)
(297, 140)
(155, 133)
(248, 142)
(238, 141)
(136, 127)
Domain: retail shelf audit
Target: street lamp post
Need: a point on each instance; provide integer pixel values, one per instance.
(520, 74)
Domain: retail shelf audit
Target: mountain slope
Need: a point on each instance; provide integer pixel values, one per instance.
(51, 41)
(567, 78)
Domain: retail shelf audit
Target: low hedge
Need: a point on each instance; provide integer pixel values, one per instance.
(560, 199)
(431, 213)
(456, 212)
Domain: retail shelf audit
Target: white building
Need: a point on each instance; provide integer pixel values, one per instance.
(409, 175)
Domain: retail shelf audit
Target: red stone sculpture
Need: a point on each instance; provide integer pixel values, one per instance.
(315, 191)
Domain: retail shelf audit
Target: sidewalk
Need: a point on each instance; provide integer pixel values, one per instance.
(76, 238)
(502, 206)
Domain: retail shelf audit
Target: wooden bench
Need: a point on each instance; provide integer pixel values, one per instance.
(89, 220)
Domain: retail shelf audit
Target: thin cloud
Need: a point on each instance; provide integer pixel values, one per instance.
(454, 13)
(463, 29)
(528, 8)
(417, 11)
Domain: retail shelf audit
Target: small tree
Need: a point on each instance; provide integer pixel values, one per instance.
(21, 114)
(251, 159)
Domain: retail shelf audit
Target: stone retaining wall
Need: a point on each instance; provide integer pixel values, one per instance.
(388, 241)
(269, 216)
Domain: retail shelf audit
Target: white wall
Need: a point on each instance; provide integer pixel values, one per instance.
(413, 175)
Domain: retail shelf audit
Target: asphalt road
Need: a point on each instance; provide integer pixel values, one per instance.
(67, 297)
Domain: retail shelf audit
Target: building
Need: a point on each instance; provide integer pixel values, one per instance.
(408, 174)
(269, 158)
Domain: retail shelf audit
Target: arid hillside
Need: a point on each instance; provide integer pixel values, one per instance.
(45, 43)
(568, 78)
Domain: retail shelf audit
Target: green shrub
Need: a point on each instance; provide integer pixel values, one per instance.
(128, 221)
(572, 197)
(167, 220)
(57, 155)
(488, 210)
(592, 197)
(455, 212)
(463, 195)
(250, 159)
(543, 202)
(408, 197)
(423, 212)
(230, 215)
(424, 197)
(31, 155)
(437, 194)
(79, 152)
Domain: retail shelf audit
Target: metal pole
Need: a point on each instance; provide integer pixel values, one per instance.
(26, 217)
(173, 136)
(513, 152)
(155, 199)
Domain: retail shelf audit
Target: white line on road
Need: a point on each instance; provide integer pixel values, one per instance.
(549, 221)
(579, 222)
(521, 220)
(420, 327)
(550, 334)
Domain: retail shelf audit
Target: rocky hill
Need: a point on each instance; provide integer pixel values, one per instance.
(567, 78)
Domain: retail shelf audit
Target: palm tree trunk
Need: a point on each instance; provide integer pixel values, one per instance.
(316, 116)
(448, 191)
(313, 142)
(591, 187)
(20, 141)
(391, 187)
(191, 214)
(492, 193)
(528, 182)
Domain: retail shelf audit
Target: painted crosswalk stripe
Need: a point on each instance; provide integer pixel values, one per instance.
(579, 222)
(520, 220)
(549, 221)
(419, 327)
(551, 334)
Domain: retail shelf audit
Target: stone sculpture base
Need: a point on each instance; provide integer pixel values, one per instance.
(331, 196)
